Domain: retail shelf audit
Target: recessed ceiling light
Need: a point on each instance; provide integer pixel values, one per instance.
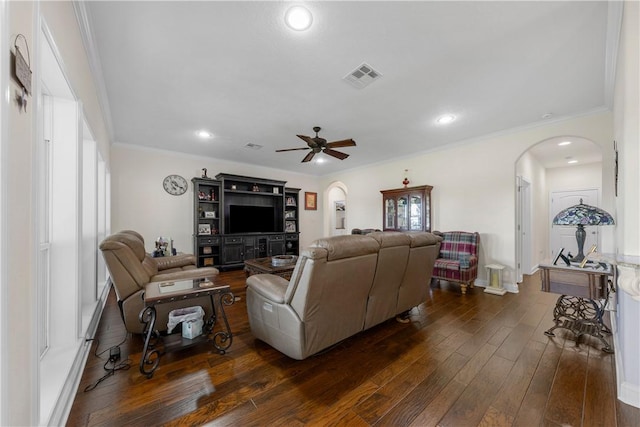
(564, 143)
(446, 119)
(572, 161)
(204, 134)
(298, 18)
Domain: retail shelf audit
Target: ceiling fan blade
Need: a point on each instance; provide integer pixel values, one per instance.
(308, 140)
(308, 157)
(342, 143)
(292, 149)
(336, 154)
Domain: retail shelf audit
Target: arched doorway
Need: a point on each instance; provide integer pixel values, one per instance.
(336, 209)
(566, 164)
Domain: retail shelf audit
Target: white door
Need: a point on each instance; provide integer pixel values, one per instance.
(564, 236)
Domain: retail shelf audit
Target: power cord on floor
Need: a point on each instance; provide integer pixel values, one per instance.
(111, 365)
(122, 366)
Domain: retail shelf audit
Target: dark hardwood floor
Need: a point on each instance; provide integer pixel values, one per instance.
(473, 360)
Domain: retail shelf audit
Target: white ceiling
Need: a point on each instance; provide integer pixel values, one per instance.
(168, 69)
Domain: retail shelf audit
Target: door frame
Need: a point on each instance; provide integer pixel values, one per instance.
(523, 228)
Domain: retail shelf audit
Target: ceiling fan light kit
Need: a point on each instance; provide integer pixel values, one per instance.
(317, 145)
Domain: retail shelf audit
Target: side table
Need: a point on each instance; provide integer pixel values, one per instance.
(585, 294)
(165, 292)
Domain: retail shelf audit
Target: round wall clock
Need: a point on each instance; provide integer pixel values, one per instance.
(175, 185)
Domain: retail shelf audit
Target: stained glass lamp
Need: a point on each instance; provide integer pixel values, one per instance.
(581, 215)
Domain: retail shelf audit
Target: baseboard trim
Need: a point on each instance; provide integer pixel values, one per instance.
(627, 392)
(62, 408)
(509, 287)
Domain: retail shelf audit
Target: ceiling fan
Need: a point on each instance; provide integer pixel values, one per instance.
(318, 144)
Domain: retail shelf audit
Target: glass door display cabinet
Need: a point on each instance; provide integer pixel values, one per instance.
(407, 209)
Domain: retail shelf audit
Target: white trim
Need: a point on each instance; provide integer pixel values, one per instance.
(4, 141)
(627, 392)
(512, 288)
(614, 28)
(62, 409)
(91, 48)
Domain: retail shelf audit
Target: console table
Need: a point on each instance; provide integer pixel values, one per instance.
(585, 294)
(164, 292)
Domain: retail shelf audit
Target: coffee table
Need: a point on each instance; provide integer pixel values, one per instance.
(263, 265)
(165, 292)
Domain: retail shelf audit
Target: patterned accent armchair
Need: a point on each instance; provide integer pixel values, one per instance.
(458, 258)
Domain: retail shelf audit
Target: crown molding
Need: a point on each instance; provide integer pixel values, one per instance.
(91, 48)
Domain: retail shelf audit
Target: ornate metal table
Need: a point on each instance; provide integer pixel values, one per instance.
(581, 307)
(157, 293)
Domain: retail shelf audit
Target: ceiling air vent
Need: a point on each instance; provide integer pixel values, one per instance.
(362, 76)
(253, 146)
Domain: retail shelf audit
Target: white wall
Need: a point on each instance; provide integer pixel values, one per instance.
(627, 207)
(21, 353)
(474, 184)
(575, 177)
(140, 203)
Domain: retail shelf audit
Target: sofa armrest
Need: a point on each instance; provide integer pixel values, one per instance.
(269, 286)
(177, 261)
(196, 273)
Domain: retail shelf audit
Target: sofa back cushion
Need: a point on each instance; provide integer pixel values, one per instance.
(415, 283)
(390, 269)
(329, 287)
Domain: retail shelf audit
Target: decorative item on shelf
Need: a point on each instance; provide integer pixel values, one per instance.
(291, 201)
(212, 195)
(406, 181)
(210, 214)
(255, 188)
(204, 229)
(581, 215)
(290, 227)
(276, 190)
(202, 195)
(204, 173)
(310, 201)
(233, 186)
(494, 275)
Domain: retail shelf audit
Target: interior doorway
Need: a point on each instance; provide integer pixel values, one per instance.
(336, 219)
(566, 165)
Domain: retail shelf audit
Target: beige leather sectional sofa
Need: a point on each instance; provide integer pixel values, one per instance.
(340, 286)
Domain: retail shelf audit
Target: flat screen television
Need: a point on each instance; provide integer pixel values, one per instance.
(253, 219)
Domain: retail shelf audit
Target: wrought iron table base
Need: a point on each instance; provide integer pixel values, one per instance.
(582, 316)
(221, 340)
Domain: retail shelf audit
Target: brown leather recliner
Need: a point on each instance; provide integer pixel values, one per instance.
(131, 268)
